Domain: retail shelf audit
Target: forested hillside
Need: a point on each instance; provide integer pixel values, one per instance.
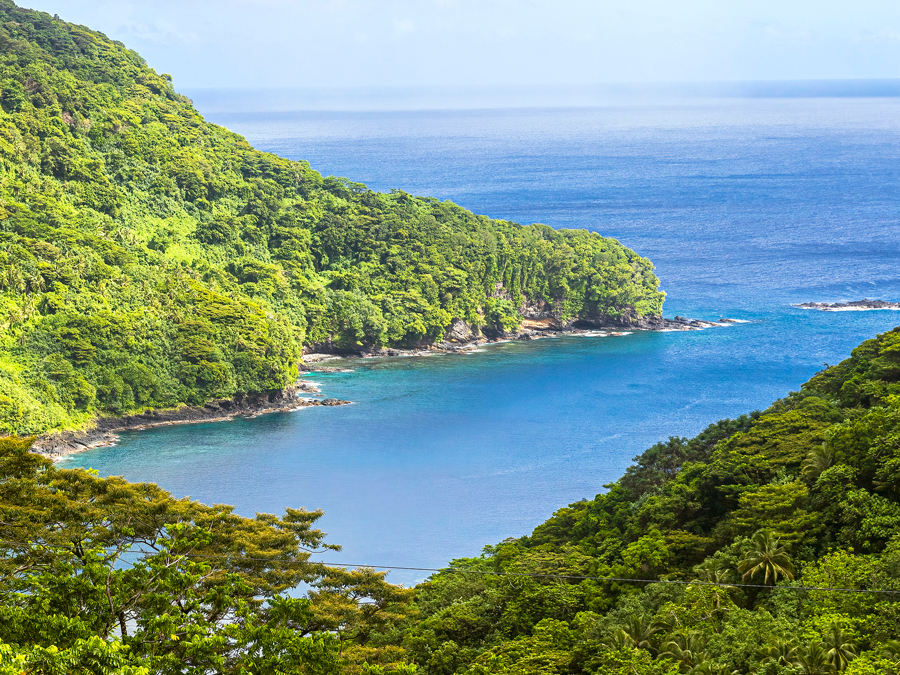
(803, 495)
(149, 258)
(778, 534)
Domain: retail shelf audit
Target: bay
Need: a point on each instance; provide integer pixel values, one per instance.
(745, 207)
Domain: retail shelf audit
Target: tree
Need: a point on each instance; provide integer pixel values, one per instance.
(781, 652)
(711, 668)
(766, 557)
(85, 657)
(685, 647)
(813, 660)
(179, 586)
(817, 461)
(891, 650)
(840, 650)
(640, 630)
(714, 571)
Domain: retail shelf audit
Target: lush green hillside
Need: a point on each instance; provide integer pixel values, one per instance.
(806, 493)
(149, 258)
(99, 575)
(102, 576)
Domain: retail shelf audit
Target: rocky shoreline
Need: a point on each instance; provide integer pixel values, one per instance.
(460, 338)
(854, 306)
(57, 445)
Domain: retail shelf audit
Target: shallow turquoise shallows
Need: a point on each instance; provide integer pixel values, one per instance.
(745, 207)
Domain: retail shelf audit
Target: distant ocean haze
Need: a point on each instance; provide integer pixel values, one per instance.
(746, 206)
(789, 195)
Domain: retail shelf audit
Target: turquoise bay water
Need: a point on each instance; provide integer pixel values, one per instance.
(745, 207)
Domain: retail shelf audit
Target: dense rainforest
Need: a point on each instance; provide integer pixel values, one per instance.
(150, 259)
(766, 545)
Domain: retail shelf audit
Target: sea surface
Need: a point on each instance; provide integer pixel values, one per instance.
(745, 207)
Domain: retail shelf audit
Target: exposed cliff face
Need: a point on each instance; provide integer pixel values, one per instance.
(539, 315)
(542, 324)
(542, 315)
(459, 331)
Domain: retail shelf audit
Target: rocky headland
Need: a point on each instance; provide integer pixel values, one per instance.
(853, 306)
(461, 337)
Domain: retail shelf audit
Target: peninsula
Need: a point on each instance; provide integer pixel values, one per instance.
(150, 260)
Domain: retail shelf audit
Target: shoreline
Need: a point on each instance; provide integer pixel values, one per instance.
(302, 394)
(61, 444)
(461, 340)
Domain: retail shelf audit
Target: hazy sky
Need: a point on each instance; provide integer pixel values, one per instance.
(351, 43)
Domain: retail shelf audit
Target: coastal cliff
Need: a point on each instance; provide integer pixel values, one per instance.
(535, 320)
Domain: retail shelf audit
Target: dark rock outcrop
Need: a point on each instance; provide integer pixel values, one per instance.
(863, 304)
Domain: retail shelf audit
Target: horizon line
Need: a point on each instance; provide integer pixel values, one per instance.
(395, 98)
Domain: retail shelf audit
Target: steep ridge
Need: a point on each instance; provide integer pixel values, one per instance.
(151, 259)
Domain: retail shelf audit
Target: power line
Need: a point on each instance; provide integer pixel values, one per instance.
(536, 575)
(617, 579)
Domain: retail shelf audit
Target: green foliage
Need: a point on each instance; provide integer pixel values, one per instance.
(85, 657)
(150, 259)
(766, 558)
(801, 494)
(100, 571)
(104, 576)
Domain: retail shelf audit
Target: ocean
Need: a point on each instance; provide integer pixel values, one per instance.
(746, 206)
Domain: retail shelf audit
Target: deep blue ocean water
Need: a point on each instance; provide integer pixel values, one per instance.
(745, 206)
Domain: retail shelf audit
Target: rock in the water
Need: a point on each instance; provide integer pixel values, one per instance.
(855, 305)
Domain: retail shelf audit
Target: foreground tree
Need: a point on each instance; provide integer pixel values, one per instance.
(84, 558)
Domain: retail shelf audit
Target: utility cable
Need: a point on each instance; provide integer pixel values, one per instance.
(536, 575)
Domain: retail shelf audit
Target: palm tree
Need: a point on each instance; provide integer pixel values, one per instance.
(711, 668)
(814, 660)
(767, 557)
(640, 630)
(618, 641)
(818, 459)
(714, 571)
(840, 650)
(782, 652)
(891, 650)
(685, 647)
